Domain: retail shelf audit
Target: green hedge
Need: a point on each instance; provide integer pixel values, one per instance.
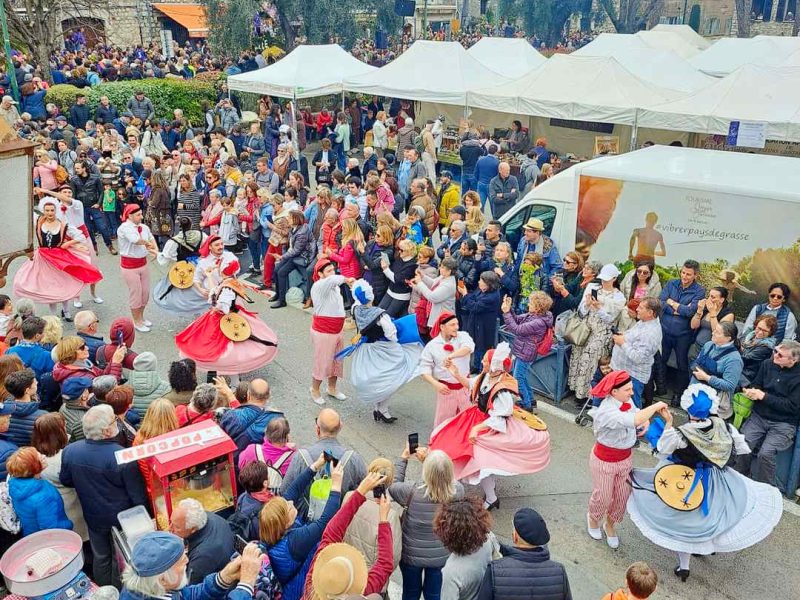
(166, 95)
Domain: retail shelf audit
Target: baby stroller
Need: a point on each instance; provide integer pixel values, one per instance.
(584, 419)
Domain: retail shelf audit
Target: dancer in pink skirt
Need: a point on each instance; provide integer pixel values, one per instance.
(486, 440)
(204, 342)
(61, 265)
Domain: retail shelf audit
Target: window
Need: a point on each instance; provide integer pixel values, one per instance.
(513, 227)
(712, 26)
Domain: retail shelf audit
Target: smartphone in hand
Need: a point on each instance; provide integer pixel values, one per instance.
(239, 543)
(413, 442)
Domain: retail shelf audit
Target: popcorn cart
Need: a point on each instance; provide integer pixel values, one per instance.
(193, 462)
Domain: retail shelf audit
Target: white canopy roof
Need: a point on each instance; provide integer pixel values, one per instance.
(585, 88)
(512, 57)
(793, 60)
(305, 72)
(752, 93)
(669, 40)
(659, 67)
(612, 44)
(429, 71)
(728, 54)
(687, 33)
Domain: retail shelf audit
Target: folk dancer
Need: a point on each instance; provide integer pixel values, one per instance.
(136, 242)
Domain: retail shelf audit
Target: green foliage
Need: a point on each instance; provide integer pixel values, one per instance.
(230, 25)
(166, 95)
(545, 18)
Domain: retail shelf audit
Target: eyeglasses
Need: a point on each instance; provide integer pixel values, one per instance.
(643, 271)
(569, 261)
(776, 296)
(778, 353)
(82, 347)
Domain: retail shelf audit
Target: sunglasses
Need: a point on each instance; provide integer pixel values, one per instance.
(82, 347)
(778, 353)
(569, 261)
(776, 296)
(643, 271)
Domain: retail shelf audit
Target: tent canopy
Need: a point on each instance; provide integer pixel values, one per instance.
(793, 60)
(658, 67)
(688, 34)
(305, 72)
(752, 93)
(584, 88)
(511, 57)
(668, 40)
(613, 44)
(428, 71)
(728, 54)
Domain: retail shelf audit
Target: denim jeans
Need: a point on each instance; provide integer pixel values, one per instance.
(767, 439)
(483, 192)
(681, 344)
(468, 182)
(112, 218)
(100, 540)
(520, 373)
(638, 389)
(96, 223)
(413, 585)
(255, 252)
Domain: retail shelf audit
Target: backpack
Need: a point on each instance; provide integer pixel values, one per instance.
(419, 144)
(61, 175)
(546, 343)
(321, 486)
(240, 522)
(8, 517)
(275, 477)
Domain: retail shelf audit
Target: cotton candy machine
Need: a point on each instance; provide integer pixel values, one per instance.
(46, 566)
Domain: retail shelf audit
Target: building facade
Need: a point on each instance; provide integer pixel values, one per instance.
(715, 18)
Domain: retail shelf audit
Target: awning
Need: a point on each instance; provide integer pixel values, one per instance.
(190, 16)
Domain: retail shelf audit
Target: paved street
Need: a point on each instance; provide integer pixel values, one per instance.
(560, 493)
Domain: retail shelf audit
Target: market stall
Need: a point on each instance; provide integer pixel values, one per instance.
(511, 57)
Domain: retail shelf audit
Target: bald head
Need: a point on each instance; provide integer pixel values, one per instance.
(258, 392)
(329, 423)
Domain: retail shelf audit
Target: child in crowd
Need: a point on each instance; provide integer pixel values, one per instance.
(413, 224)
(229, 225)
(640, 583)
(475, 218)
(530, 278)
(110, 206)
(240, 207)
(6, 316)
(603, 369)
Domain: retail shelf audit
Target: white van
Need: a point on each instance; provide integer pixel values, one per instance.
(667, 202)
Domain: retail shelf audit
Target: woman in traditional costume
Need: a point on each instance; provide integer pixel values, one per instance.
(493, 437)
(386, 355)
(617, 423)
(228, 339)
(175, 292)
(61, 266)
(693, 502)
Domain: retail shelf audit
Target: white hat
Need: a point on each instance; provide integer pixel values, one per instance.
(499, 357)
(362, 292)
(9, 99)
(608, 273)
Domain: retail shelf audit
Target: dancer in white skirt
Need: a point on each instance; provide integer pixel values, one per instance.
(386, 355)
(733, 511)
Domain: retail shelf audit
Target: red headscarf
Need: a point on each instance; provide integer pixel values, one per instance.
(612, 381)
(205, 249)
(231, 268)
(321, 264)
(443, 318)
(129, 210)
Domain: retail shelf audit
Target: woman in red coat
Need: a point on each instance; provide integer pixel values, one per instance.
(353, 246)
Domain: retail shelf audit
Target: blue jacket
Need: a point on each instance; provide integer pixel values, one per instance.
(104, 488)
(38, 505)
(551, 259)
(171, 138)
(105, 115)
(20, 428)
(34, 356)
(246, 424)
(729, 367)
(6, 450)
(486, 168)
(210, 589)
(210, 548)
(452, 245)
(291, 557)
(678, 323)
(480, 311)
(34, 105)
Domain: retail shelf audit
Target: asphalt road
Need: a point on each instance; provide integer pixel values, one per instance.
(560, 493)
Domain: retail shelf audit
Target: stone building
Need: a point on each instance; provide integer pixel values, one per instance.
(715, 18)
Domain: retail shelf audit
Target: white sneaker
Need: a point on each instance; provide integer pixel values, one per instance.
(143, 328)
(337, 395)
(147, 323)
(319, 400)
(97, 300)
(77, 303)
(594, 532)
(611, 540)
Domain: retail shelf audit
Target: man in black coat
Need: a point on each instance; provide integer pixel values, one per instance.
(87, 187)
(79, 112)
(526, 571)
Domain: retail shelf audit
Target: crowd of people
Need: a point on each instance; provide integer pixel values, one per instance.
(388, 242)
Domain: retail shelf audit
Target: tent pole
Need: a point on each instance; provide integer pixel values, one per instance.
(343, 100)
(634, 130)
(296, 145)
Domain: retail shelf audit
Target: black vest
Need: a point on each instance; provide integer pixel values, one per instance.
(529, 575)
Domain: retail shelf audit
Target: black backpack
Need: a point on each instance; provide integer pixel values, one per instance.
(241, 522)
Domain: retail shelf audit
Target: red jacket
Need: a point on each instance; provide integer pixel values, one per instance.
(379, 573)
(328, 235)
(62, 372)
(323, 120)
(349, 266)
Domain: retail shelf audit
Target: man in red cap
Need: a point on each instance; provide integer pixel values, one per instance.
(135, 243)
(448, 345)
(617, 424)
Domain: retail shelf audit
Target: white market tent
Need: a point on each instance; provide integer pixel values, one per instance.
(687, 33)
(659, 67)
(793, 60)
(728, 54)
(305, 72)
(428, 71)
(511, 57)
(668, 40)
(613, 44)
(582, 88)
(751, 93)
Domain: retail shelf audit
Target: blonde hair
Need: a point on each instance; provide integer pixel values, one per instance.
(387, 218)
(67, 349)
(53, 330)
(407, 245)
(384, 234)
(272, 520)
(159, 419)
(541, 301)
(438, 478)
(473, 197)
(426, 252)
(533, 258)
(352, 232)
(475, 219)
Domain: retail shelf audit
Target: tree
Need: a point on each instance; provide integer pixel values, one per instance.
(630, 16)
(547, 18)
(743, 10)
(37, 24)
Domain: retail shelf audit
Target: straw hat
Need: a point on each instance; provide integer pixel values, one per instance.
(339, 570)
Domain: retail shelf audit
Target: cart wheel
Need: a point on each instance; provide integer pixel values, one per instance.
(579, 420)
(584, 421)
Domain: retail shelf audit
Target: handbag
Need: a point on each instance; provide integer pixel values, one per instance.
(576, 330)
